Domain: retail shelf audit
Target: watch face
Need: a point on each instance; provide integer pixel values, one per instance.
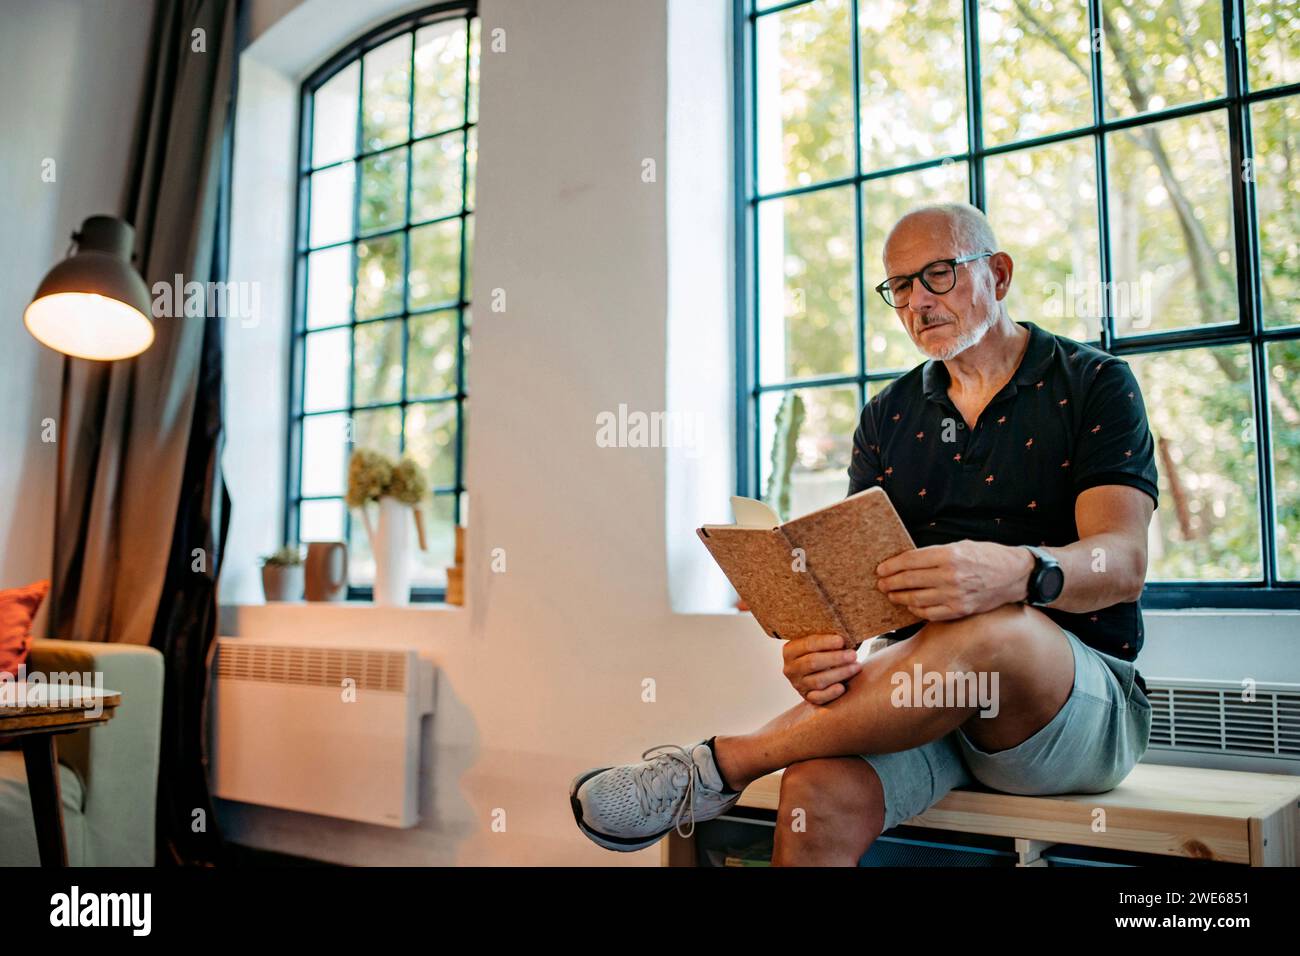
(1050, 583)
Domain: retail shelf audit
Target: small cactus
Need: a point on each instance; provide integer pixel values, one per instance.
(789, 419)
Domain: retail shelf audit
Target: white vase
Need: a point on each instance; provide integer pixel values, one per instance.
(392, 547)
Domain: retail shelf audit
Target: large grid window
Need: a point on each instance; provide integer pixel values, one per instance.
(382, 297)
(1140, 161)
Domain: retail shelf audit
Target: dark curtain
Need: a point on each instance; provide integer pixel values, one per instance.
(142, 511)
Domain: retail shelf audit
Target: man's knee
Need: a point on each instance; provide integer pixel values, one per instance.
(998, 639)
(832, 801)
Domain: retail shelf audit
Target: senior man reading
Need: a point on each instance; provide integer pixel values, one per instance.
(1022, 464)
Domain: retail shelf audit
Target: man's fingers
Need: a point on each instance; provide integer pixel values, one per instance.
(801, 646)
(824, 696)
(918, 597)
(923, 578)
(927, 557)
(825, 678)
(813, 663)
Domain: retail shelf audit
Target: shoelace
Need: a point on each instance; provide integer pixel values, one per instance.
(653, 790)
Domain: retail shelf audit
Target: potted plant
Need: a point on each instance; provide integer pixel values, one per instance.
(282, 574)
(397, 489)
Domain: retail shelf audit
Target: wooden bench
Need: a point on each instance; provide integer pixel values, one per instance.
(1224, 815)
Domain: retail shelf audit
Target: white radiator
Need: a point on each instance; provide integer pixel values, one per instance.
(325, 729)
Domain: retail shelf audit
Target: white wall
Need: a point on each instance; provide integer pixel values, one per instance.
(70, 72)
(540, 675)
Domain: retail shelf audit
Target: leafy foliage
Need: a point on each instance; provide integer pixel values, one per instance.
(1172, 223)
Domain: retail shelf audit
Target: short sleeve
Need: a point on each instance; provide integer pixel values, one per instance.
(864, 462)
(1114, 445)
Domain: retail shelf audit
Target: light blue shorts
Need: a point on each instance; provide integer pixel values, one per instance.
(1088, 747)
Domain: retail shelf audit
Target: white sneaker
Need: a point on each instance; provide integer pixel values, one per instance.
(634, 806)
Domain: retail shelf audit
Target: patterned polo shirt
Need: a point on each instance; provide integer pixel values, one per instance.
(1071, 418)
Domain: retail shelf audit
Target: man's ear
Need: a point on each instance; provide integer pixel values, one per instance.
(1002, 266)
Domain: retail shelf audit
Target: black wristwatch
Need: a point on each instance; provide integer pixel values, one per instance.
(1047, 579)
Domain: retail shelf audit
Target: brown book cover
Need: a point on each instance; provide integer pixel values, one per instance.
(815, 574)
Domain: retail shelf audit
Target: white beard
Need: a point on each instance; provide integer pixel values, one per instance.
(968, 339)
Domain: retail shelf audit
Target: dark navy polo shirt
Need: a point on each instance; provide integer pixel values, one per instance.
(1071, 418)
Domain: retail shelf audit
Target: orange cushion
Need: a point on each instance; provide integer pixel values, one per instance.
(17, 608)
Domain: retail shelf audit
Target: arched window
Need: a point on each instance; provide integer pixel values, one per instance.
(384, 248)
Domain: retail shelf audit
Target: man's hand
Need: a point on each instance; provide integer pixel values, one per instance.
(948, 581)
(818, 666)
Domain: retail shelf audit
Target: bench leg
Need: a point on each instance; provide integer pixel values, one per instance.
(1030, 852)
(677, 850)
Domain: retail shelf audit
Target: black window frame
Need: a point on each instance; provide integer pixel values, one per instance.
(354, 52)
(1266, 593)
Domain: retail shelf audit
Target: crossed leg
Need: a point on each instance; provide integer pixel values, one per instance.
(839, 793)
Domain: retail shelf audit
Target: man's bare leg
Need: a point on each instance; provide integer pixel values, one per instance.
(841, 808)
(1029, 653)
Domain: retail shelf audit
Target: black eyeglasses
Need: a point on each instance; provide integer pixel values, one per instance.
(938, 276)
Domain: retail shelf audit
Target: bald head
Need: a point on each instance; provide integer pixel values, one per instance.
(959, 226)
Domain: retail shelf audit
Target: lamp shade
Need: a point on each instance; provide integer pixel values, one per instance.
(93, 304)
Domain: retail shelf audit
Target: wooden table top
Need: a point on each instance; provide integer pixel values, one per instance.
(45, 708)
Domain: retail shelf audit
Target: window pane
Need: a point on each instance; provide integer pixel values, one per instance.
(334, 118)
(435, 264)
(326, 377)
(1161, 53)
(469, 258)
(471, 168)
(1172, 248)
(465, 350)
(383, 191)
(432, 356)
(439, 77)
(378, 363)
(875, 387)
(1284, 407)
(1273, 42)
(379, 276)
(435, 191)
(1035, 66)
(386, 98)
(806, 285)
(361, 559)
(321, 520)
(1201, 414)
(1043, 206)
(885, 201)
(331, 204)
(378, 429)
(473, 70)
(805, 95)
(913, 81)
(324, 454)
(440, 534)
(431, 440)
(1275, 128)
(813, 451)
(329, 287)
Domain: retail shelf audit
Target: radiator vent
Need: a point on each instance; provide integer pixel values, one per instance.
(285, 735)
(372, 670)
(1212, 717)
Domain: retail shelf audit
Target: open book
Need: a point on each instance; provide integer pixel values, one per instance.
(815, 574)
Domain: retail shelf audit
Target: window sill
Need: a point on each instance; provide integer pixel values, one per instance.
(415, 607)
